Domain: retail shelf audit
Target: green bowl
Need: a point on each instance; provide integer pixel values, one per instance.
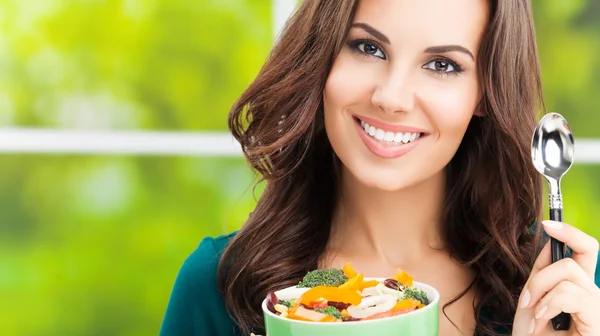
(421, 322)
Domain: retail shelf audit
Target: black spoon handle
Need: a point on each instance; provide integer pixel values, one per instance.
(557, 248)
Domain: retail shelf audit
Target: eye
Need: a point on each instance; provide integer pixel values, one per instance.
(371, 49)
(443, 66)
(367, 48)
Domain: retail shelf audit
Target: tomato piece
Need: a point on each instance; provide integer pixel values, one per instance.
(318, 304)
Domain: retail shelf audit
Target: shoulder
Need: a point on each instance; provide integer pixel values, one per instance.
(195, 306)
(200, 267)
(598, 271)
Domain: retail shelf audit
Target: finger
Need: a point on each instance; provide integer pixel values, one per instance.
(584, 246)
(542, 261)
(548, 278)
(569, 298)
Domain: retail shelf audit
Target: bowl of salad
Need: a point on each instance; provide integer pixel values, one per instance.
(343, 302)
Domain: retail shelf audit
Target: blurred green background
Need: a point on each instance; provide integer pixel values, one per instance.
(91, 244)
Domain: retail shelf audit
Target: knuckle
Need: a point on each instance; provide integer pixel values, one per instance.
(569, 265)
(533, 285)
(564, 287)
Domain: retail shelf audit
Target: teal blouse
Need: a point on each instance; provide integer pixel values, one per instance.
(196, 307)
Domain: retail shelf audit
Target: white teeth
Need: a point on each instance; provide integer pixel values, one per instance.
(389, 136)
(384, 136)
(372, 131)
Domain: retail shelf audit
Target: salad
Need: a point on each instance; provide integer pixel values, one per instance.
(343, 295)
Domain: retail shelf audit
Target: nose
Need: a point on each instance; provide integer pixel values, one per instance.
(394, 93)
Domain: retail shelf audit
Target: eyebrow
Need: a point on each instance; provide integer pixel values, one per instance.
(369, 29)
(431, 50)
(448, 48)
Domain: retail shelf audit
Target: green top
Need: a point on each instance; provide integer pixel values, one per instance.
(196, 306)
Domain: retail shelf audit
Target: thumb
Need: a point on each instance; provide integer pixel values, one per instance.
(524, 317)
(542, 261)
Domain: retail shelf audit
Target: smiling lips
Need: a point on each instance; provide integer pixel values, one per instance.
(387, 140)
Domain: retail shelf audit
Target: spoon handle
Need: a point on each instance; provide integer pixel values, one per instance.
(557, 248)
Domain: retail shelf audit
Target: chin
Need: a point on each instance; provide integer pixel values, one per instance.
(387, 179)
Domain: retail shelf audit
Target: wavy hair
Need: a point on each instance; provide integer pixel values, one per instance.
(494, 192)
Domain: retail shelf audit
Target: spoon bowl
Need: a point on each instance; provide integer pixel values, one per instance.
(553, 147)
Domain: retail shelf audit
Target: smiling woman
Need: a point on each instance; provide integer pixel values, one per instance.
(401, 84)
(392, 134)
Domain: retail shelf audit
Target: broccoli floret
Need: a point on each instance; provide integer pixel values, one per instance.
(287, 303)
(417, 294)
(332, 311)
(331, 277)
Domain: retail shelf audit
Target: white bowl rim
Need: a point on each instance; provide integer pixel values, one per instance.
(432, 305)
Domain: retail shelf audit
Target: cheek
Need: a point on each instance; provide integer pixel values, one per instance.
(347, 84)
(452, 108)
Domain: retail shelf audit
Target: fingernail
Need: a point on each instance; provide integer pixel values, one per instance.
(541, 312)
(531, 326)
(525, 299)
(552, 224)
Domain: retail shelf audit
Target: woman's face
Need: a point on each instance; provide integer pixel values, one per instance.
(402, 91)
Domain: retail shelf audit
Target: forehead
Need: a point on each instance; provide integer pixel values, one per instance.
(429, 22)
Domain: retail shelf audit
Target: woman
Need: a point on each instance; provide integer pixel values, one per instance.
(396, 134)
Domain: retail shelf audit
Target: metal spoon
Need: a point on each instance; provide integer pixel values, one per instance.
(552, 150)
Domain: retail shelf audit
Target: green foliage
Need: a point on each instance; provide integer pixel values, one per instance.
(329, 310)
(91, 245)
(416, 294)
(332, 277)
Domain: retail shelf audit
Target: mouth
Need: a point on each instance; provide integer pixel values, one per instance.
(388, 135)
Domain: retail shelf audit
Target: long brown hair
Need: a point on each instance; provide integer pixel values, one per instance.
(493, 190)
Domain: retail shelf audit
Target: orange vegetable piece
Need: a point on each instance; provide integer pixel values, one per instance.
(330, 294)
(407, 303)
(353, 283)
(303, 314)
(403, 278)
(329, 318)
(349, 271)
(370, 283)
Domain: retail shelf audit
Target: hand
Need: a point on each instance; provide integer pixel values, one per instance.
(565, 286)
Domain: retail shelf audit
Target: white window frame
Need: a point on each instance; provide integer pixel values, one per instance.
(213, 144)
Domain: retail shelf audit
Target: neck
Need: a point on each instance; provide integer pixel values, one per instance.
(395, 228)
